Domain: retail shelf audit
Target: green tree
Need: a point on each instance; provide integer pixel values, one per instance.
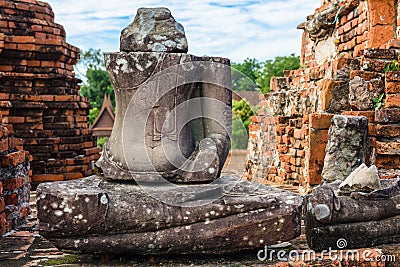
(244, 75)
(96, 81)
(241, 113)
(275, 67)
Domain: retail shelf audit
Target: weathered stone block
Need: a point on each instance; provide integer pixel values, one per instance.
(92, 215)
(361, 92)
(154, 30)
(346, 148)
(355, 221)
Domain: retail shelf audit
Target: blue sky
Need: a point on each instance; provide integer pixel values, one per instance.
(236, 29)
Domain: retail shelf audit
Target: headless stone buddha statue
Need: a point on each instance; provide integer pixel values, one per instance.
(167, 122)
(159, 190)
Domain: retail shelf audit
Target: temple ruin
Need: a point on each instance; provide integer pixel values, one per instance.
(346, 46)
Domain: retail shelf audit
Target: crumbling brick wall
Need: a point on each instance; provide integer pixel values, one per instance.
(39, 94)
(14, 180)
(345, 48)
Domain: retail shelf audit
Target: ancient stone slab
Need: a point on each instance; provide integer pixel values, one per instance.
(361, 219)
(92, 215)
(346, 148)
(154, 30)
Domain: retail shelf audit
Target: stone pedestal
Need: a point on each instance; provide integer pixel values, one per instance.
(92, 215)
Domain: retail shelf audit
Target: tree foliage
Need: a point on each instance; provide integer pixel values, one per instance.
(276, 67)
(252, 75)
(244, 75)
(96, 81)
(241, 113)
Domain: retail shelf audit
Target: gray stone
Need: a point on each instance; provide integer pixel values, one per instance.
(362, 179)
(166, 121)
(355, 221)
(346, 148)
(361, 92)
(154, 30)
(92, 215)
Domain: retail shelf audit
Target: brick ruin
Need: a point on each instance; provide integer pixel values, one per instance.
(39, 94)
(44, 133)
(14, 180)
(346, 46)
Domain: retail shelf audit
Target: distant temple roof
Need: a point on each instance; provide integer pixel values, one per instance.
(104, 122)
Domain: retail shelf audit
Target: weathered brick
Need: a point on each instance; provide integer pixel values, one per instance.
(13, 184)
(369, 114)
(390, 130)
(388, 148)
(387, 162)
(316, 155)
(392, 101)
(321, 121)
(39, 178)
(380, 34)
(391, 115)
(13, 159)
(392, 87)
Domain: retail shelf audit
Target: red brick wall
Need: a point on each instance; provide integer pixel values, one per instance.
(39, 94)
(14, 181)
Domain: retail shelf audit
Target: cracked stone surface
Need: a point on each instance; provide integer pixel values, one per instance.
(154, 30)
(92, 215)
(362, 219)
(346, 148)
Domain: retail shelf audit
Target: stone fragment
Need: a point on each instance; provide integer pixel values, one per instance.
(362, 92)
(355, 221)
(362, 179)
(346, 148)
(92, 215)
(154, 30)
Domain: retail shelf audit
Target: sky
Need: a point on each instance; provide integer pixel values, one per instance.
(236, 29)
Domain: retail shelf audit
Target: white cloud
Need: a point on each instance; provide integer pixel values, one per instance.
(236, 29)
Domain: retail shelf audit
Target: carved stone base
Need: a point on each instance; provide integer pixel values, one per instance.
(360, 220)
(93, 215)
